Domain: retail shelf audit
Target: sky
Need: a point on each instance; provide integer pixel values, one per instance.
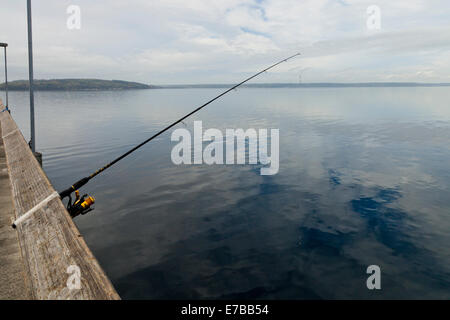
(193, 41)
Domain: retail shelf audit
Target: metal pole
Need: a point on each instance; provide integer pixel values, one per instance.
(30, 68)
(6, 80)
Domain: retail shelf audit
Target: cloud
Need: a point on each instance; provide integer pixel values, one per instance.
(195, 41)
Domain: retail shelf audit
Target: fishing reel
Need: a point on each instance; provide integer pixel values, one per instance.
(81, 205)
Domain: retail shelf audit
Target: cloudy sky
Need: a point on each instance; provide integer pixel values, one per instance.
(195, 41)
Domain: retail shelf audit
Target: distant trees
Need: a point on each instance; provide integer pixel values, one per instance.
(75, 84)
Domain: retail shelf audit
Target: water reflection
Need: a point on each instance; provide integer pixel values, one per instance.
(363, 180)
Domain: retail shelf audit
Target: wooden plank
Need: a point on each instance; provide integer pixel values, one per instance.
(49, 240)
(13, 280)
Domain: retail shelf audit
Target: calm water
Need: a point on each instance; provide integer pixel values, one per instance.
(364, 179)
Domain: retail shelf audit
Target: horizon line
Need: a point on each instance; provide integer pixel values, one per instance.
(262, 84)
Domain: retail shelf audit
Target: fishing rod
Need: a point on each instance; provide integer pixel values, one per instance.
(82, 205)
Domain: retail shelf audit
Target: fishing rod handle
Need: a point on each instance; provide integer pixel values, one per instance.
(77, 185)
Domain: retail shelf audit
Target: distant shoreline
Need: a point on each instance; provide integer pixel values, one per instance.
(310, 85)
(108, 85)
(74, 85)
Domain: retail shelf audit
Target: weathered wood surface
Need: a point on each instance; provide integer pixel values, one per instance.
(13, 280)
(49, 240)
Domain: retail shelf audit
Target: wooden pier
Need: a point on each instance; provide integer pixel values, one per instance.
(44, 257)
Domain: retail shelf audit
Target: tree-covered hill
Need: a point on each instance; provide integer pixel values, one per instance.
(75, 84)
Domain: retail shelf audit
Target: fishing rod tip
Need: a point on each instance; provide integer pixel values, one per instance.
(297, 54)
